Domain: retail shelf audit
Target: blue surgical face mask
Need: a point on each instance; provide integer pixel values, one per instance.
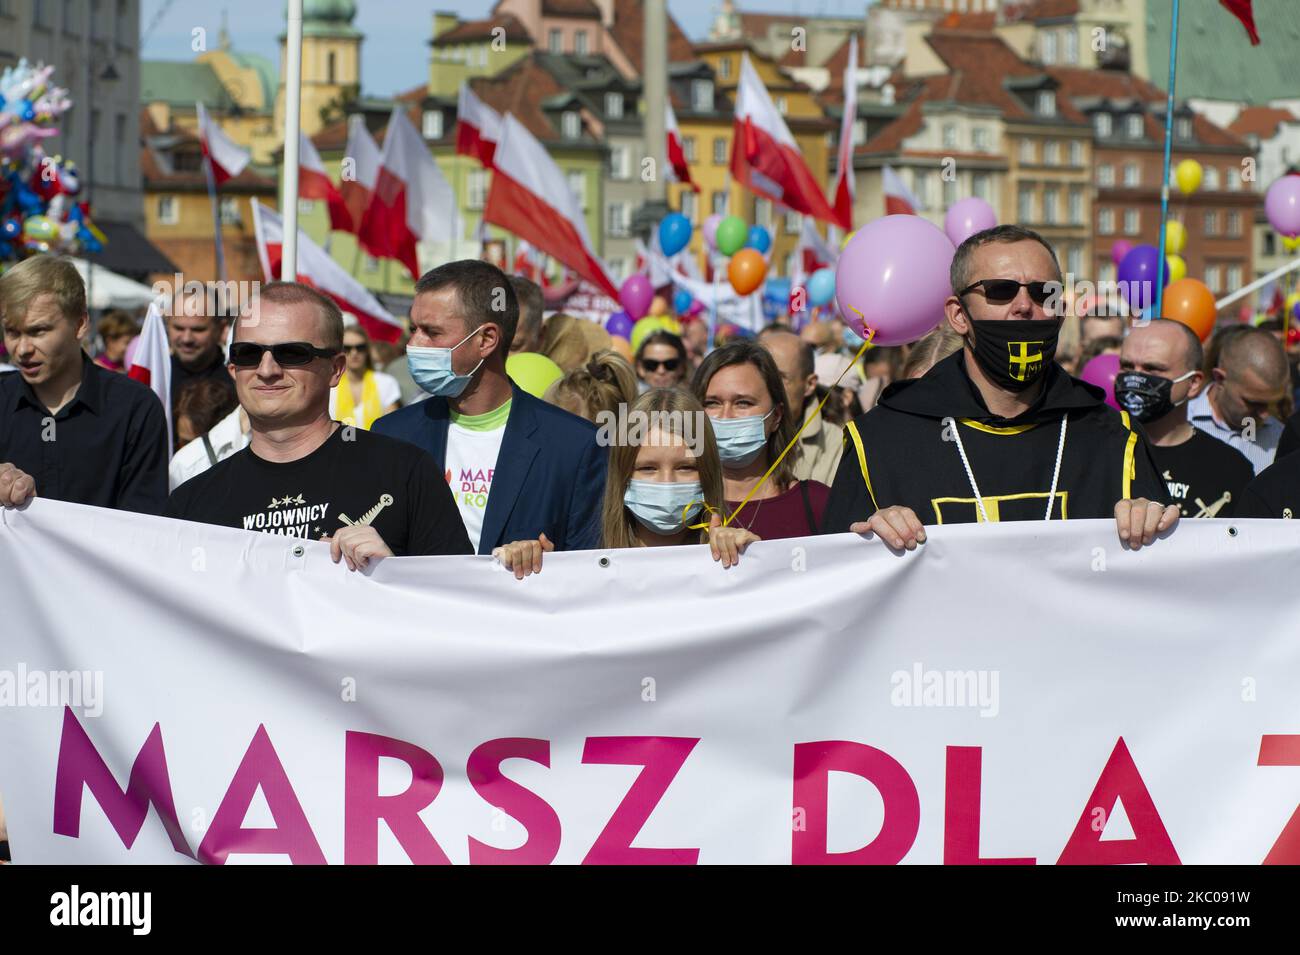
(852, 338)
(431, 369)
(740, 439)
(662, 506)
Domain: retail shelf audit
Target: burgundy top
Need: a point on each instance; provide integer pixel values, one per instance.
(785, 515)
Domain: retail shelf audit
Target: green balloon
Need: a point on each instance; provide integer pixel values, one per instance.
(731, 235)
(532, 372)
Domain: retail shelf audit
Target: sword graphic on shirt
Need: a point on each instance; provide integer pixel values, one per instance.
(1212, 510)
(370, 515)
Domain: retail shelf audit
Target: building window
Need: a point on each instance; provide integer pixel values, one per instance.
(763, 213)
(1074, 260)
(980, 137)
(1232, 177)
(949, 135)
(1183, 127)
(1027, 151)
(580, 43)
(616, 220)
(119, 149)
(1047, 41)
(617, 269)
(1132, 221)
(1102, 124)
(688, 148)
(229, 210)
(1108, 271)
(1071, 54)
(614, 105)
(979, 185)
(620, 162)
(1234, 225)
(686, 205)
(371, 265)
(859, 132)
(949, 192)
(1050, 198)
(1076, 206)
(782, 105)
(1214, 278)
(1132, 175)
(1045, 103)
(1234, 278)
(1051, 153)
(724, 67)
(169, 212)
(1025, 204)
(578, 186)
(719, 203)
(571, 125)
(42, 13)
(921, 186)
(1212, 223)
(1270, 244)
(719, 150)
(702, 96)
(1106, 175)
(1133, 125)
(1076, 154)
(331, 60)
(1106, 222)
(476, 188)
(69, 17)
(433, 124)
(1212, 178)
(555, 41)
(793, 223)
(122, 26)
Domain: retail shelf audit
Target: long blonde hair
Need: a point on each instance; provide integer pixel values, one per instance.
(618, 526)
(602, 384)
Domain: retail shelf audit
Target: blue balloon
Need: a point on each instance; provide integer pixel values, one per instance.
(682, 301)
(26, 111)
(674, 233)
(821, 287)
(759, 238)
(10, 229)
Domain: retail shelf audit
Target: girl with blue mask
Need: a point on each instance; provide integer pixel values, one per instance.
(741, 389)
(664, 487)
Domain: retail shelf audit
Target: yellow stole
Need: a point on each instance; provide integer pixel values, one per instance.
(345, 406)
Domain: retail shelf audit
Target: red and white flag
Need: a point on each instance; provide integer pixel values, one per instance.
(152, 362)
(899, 200)
(361, 170)
(764, 156)
(227, 158)
(478, 127)
(1242, 11)
(678, 169)
(814, 253)
(531, 199)
(843, 196)
(317, 269)
(315, 183)
(412, 202)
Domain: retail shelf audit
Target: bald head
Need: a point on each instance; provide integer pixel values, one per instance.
(1257, 352)
(1166, 342)
(795, 361)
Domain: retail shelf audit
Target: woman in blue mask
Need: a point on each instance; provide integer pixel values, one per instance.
(664, 486)
(740, 388)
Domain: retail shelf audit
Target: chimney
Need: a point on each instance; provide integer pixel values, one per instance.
(442, 22)
(606, 12)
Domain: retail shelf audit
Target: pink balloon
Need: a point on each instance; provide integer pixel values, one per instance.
(710, 229)
(966, 217)
(1120, 248)
(636, 295)
(892, 279)
(1282, 204)
(1101, 371)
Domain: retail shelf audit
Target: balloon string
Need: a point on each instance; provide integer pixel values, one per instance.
(871, 333)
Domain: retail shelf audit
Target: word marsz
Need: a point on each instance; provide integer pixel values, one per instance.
(81, 767)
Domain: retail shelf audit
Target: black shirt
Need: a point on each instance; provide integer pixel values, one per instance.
(182, 376)
(106, 447)
(1204, 475)
(1275, 492)
(388, 484)
(1290, 440)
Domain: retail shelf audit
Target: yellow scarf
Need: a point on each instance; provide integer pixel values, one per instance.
(345, 406)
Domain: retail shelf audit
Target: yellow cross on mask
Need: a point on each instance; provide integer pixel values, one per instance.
(1019, 363)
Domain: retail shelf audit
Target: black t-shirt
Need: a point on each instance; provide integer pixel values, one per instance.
(388, 484)
(1275, 492)
(1204, 475)
(216, 371)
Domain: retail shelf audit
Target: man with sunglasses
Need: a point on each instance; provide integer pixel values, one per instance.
(997, 431)
(304, 474)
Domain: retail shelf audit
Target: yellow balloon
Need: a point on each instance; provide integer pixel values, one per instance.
(1175, 237)
(1291, 300)
(849, 238)
(1187, 176)
(1291, 244)
(1177, 267)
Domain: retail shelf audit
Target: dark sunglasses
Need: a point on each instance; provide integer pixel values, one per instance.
(1002, 291)
(286, 354)
(668, 364)
(352, 348)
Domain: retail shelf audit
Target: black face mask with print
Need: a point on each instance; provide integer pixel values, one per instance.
(1147, 397)
(1015, 352)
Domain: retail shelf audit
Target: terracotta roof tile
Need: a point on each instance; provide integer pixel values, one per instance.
(482, 30)
(520, 89)
(570, 8)
(979, 64)
(1261, 121)
(890, 139)
(1049, 9)
(628, 32)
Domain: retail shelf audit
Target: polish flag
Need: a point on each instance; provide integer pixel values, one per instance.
(764, 156)
(531, 199)
(898, 198)
(317, 269)
(412, 202)
(678, 169)
(843, 195)
(227, 159)
(1242, 11)
(478, 127)
(359, 183)
(152, 362)
(315, 183)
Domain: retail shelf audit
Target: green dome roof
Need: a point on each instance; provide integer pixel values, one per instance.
(335, 11)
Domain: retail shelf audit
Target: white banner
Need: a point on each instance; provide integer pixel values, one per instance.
(1023, 692)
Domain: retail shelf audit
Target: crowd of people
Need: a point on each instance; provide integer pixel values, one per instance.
(290, 420)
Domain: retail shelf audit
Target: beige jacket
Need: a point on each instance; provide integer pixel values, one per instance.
(820, 447)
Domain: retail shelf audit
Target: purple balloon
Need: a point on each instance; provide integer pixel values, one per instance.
(966, 217)
(620, 325)
(1137, 276)
(1101, 371)
(636, 295)
(892, 279)
(1118, 249)
(1282, 204)
(710, 230)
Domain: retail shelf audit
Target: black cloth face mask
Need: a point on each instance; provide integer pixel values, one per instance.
(1015, 352)
(1147, 397)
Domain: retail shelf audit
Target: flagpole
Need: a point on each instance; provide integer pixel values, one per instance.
(292, 131)
(213, 197)
(1164, 183)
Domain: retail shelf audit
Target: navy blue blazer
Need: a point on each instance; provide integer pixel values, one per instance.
(550, 474)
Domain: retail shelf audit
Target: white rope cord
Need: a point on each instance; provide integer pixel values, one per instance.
(970, 474)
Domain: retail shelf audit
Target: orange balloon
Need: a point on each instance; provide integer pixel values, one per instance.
(747, 270)
(1189, 301)
(621, 345)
